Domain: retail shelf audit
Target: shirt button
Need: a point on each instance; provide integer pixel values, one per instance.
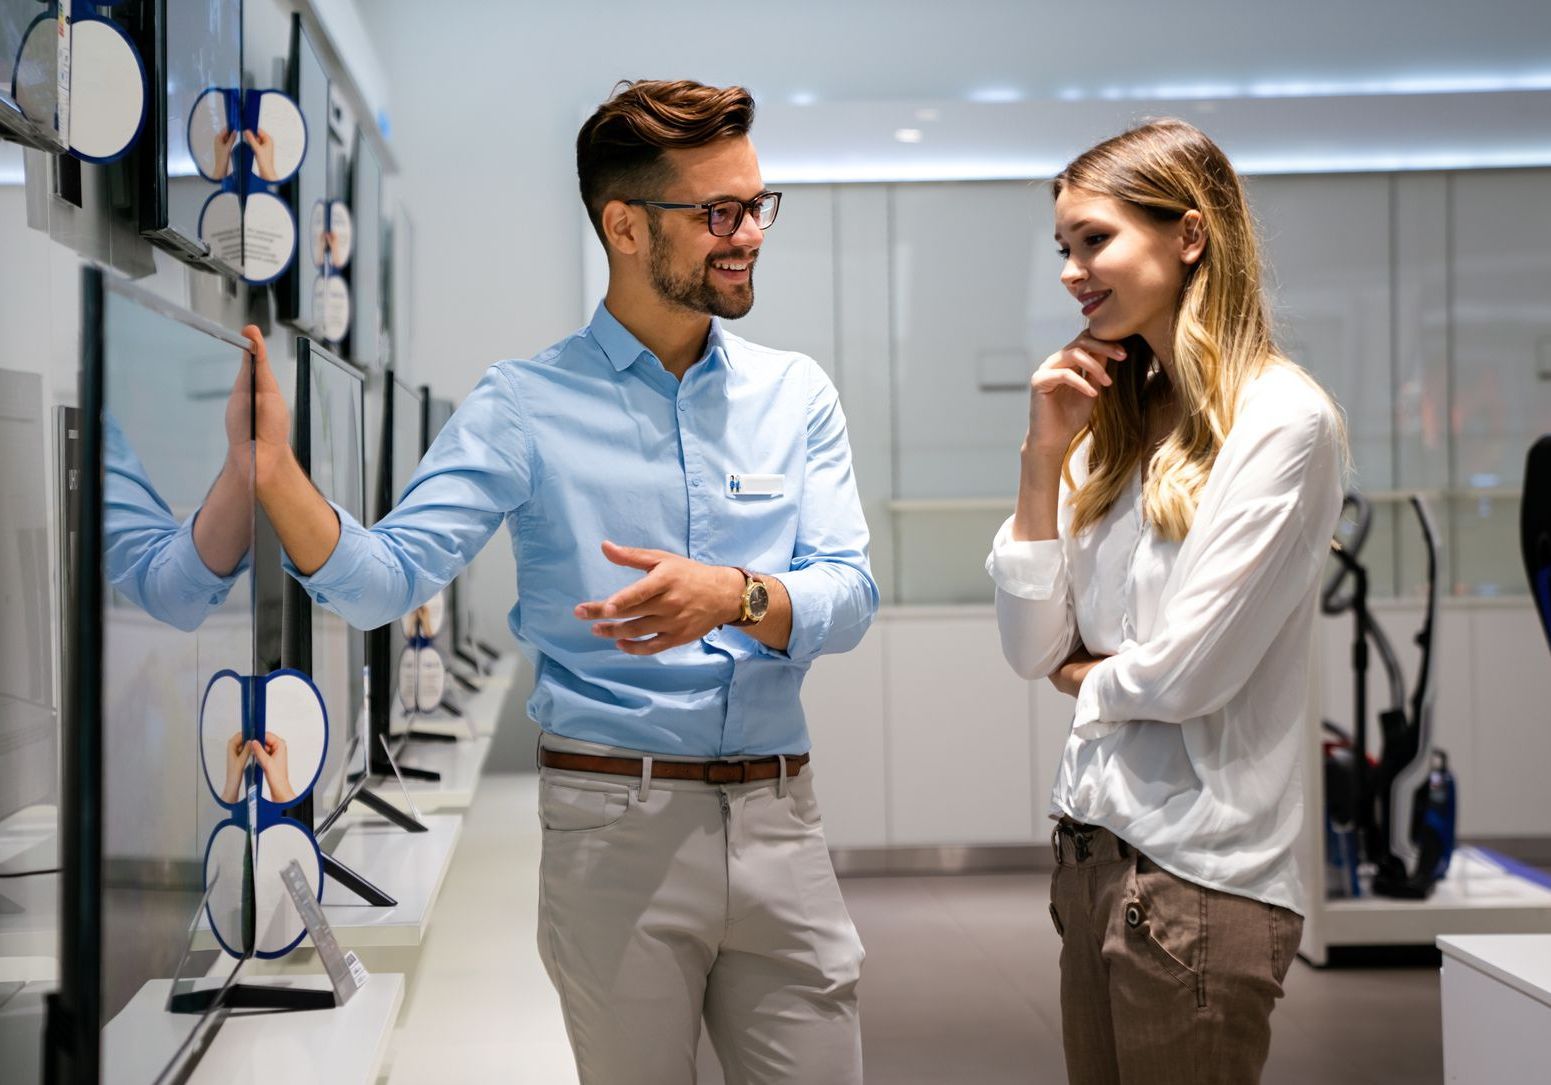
(694, 482)
(683, 406)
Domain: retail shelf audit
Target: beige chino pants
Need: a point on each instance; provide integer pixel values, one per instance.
(663, 903)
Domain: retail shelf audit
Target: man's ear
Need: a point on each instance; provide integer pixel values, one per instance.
(1192, 237)
(623, 229)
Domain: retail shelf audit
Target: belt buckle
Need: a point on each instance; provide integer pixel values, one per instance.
(708, 774)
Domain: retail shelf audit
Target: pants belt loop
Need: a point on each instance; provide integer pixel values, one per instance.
(646, 778)
(781, 786)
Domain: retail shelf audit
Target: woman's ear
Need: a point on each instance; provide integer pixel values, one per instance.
(1192, 237)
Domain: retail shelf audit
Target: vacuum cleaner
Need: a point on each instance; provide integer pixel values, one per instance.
(1393, 815)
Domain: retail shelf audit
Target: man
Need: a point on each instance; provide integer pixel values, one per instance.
(686, 523)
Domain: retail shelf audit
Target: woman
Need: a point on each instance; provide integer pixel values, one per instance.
(1180, 483)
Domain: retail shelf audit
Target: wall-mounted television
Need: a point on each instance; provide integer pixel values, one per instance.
(190, 151)
(300, 296)
(365, 344)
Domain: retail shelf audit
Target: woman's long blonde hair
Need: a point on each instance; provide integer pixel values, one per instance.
(1222, 329)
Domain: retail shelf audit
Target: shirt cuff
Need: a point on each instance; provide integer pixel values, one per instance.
(1028, 570)
(812, 613)
(336, 574)
(1088, 721)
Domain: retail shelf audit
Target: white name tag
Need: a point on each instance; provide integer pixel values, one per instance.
(756, 485)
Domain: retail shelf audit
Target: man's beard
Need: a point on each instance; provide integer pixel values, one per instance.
(690, 290)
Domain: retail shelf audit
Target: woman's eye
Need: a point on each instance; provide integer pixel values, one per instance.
(1096, 239)
(1064, 252)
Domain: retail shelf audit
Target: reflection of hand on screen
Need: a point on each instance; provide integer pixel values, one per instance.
(225, 141)
(263, 146)
(236, 760)
(274, 759)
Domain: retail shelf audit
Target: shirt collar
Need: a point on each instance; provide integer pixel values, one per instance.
(624, 349)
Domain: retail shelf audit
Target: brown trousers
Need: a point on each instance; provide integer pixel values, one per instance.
(1162, 980)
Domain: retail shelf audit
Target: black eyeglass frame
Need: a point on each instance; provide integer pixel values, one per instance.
(744, 207)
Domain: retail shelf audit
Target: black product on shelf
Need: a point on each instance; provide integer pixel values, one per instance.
(328, 437)
(299, 297)
(189, 154)
(399, 454)
(455, 641)
(156, 383)
(365, 343)
(1535, 528)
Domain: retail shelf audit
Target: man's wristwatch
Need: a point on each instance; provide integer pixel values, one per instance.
(755, 603)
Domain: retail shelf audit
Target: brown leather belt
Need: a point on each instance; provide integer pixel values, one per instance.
(707, 772)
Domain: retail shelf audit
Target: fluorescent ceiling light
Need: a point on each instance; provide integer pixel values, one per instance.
(996, 94)
(908, 135)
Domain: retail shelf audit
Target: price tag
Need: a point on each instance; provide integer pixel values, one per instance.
(357, 969)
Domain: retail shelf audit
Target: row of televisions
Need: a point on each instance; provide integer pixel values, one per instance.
(127, 335)
(189, 49)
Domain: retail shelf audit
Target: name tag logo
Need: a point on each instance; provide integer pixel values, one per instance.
(741, 485)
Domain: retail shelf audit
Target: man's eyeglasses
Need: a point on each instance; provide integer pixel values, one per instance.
(723, 217)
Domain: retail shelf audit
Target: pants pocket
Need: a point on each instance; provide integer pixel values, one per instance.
(1165, 918)
(580, 806)
(1055, 917)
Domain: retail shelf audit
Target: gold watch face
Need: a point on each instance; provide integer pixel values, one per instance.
(756, 600)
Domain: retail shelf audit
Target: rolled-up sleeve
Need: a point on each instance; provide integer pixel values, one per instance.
(477, 471)
(1034, 612)
(1253, 557)
(834, 597)
(149, 556)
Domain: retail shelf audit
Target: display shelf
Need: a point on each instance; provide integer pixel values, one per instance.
(459, 764)
(1496, 1000)
(341, 1046)
(410, 867)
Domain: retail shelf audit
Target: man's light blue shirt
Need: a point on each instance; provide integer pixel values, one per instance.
(593, 440)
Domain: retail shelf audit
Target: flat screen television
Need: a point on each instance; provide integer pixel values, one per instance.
(450, 638)
(193, 53)
(299, 297)
(147, 637)
(330, 444)
(29, 74)
(400, 450)
(365, 343)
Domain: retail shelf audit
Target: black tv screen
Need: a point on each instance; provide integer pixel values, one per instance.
(301, 298)
(366, 262)
(332, 448)
(144, 800)
(193, 50)
(436, 413)
(399, 455)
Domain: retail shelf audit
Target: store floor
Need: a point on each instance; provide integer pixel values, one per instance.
(959, 988)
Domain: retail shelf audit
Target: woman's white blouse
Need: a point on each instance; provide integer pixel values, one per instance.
(1186, 742)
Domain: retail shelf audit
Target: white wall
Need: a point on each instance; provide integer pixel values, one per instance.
(485, 112)
(485, 109)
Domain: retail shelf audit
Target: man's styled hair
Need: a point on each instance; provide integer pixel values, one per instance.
(619, 151)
